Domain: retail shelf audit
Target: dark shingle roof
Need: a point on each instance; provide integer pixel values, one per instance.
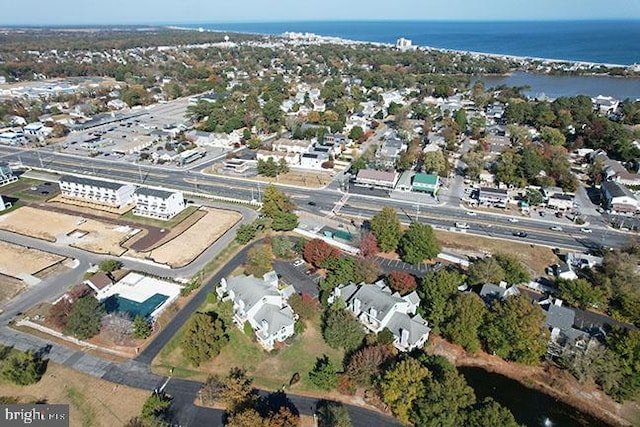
(152, 192)
(93, 182)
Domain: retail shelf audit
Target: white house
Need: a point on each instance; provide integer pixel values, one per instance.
(6, 174)
(313, 160)
(158, 204)
(291, 145)
(4, 205)
(262, 303)
(105, 193)
(377, 308)
(12, 138)
(100, 283)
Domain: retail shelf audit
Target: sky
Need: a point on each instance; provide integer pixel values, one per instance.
(79, 12)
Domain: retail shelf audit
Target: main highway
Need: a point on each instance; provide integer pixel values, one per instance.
(354, 205)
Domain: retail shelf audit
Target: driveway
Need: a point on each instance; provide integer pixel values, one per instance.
(297, 277)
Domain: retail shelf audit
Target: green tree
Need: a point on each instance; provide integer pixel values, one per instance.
(332, 414)
(464, 325)
(259, 260)
(284, 221)
(84, 321)
(434, 162)
(340, 329)
(109, 265)
(436, 292)
(515, 330)
(356, 133)
(625, 347)
(23, 368)
(552, 136)
(268, 167)
(275, 202)
(489, 413)
(204, 338)
(246, 233)
(155, 409)
(581, 293)
(514, 271)
(324, 374)
(141, 327)
(460, 116)
(403, 385)
(358, 164)
(385, 225)
(418, 243)
(487, 270)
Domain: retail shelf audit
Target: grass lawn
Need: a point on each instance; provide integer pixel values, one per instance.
(159, 223)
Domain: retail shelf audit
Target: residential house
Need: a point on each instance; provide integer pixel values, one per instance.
(106, 193)
(4, 205)
(497, 144)
(605, 104)
(493, 196)
(378, 308)
(291, 145)
(313, 160)
(100, 283)
(262, 303)
(6, 174)
(618, 198)
(377, 179)
(490, 292)
(425, 183)
(560, 320)
(390, 150)
(159, 204)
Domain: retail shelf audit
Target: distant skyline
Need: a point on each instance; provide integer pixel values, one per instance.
(83, 12)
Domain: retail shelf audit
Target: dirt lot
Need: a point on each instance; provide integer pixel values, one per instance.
(16, 260)
(100, 237)
(92, 401)
(9, 288)
(536, 258)
(188, 245)
(306, 179)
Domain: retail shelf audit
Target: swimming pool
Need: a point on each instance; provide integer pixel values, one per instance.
(145, 308)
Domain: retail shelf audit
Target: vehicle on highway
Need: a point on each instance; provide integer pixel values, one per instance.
(520, 234)
(311, 203)
(462, 225)
(556, 228)
(586, 230)
(514, 220)
(471, 213)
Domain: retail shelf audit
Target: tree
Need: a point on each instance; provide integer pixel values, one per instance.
(204, 338)
(385, 225)
(284, 221)
(141, 327)
(60, 312)
(247, 417)
(515, 330)
(283, 417)
(417, 243)
(401, 282)
(85, 318)
(514, 271)
(434, 162)
(436, 293)
(109, 265)
(237, 391)
(246, 233)
(460, 116)
(23, 368)
(368, 244)
(625, 347)
(324, 375)
(366, 270)
(402, 385)
(356, 133)
(154, 410)
(259, 260)
(552, 136)
(268, 167)
(366, 364)
(275, 202)
(316, 251)
(581, 293)
(464, 324)
(282, 247)
(487, 270)
(332, 414)
(489, 413)
(340, 329)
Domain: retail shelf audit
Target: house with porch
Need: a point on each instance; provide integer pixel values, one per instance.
(263, 303)
(377, 308)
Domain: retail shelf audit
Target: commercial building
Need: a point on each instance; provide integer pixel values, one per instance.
(158, 204)
(106, 193)
(493, 196)
(425, 183)
(618, 198)
(377, 179)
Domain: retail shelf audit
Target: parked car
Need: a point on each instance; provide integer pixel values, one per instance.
(311, 203)
(471, 213)
(514, 220)
(556, 228)
(298, 263)
(520, 234)
(586, 230)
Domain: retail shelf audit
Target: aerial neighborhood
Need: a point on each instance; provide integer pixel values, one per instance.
(260, 218)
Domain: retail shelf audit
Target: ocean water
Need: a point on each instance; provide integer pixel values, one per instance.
(608, 42)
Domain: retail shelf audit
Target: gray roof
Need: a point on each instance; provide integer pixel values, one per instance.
(616, 190)
(560, 317)
(250, 289)
(152, 192)
(276, 317)
(494, 191)
(416, 326)
(490, 292)
(373, 296)
(92, 182)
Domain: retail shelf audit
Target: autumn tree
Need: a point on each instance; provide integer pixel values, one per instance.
(366, 364)
(283, 417)
(489, 413)
(259, 260)
(487, 270)
(204, 338)
(418, 243)
(385, 226)
(401, 282)
(402, 385)
(515, 330)
(316, 251)
(465, 321)
(237, 391)
(514, 271)
(366, 270)
(60, 311)
(247, 417)
(368, 244)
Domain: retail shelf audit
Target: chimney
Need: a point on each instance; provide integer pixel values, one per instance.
(558, 302)
(404, 337)
(356, 306)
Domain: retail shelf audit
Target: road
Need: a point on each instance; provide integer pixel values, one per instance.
(325, 200)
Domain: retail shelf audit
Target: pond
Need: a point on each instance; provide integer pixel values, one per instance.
(530, 407)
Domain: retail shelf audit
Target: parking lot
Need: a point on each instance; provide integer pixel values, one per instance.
(389, 265)
(297, 277)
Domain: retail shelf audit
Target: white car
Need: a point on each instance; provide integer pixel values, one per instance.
(514, 220)
(462, 225)
(556, 228)
(298, 263)
(586, 230)
(470, 213)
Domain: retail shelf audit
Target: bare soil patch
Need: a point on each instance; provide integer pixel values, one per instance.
(16, 260)
(10, 287)
(92, 401)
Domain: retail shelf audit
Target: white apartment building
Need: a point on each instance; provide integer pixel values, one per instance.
(105, 193)
(159, 204)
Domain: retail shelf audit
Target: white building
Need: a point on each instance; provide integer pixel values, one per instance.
(12, 138)
(263, 304)
(4, 205)
(313, 160)
(378, 308)
(6, 174)
(105, 193)
(158, 204)
(292, 159)
(291, 145)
